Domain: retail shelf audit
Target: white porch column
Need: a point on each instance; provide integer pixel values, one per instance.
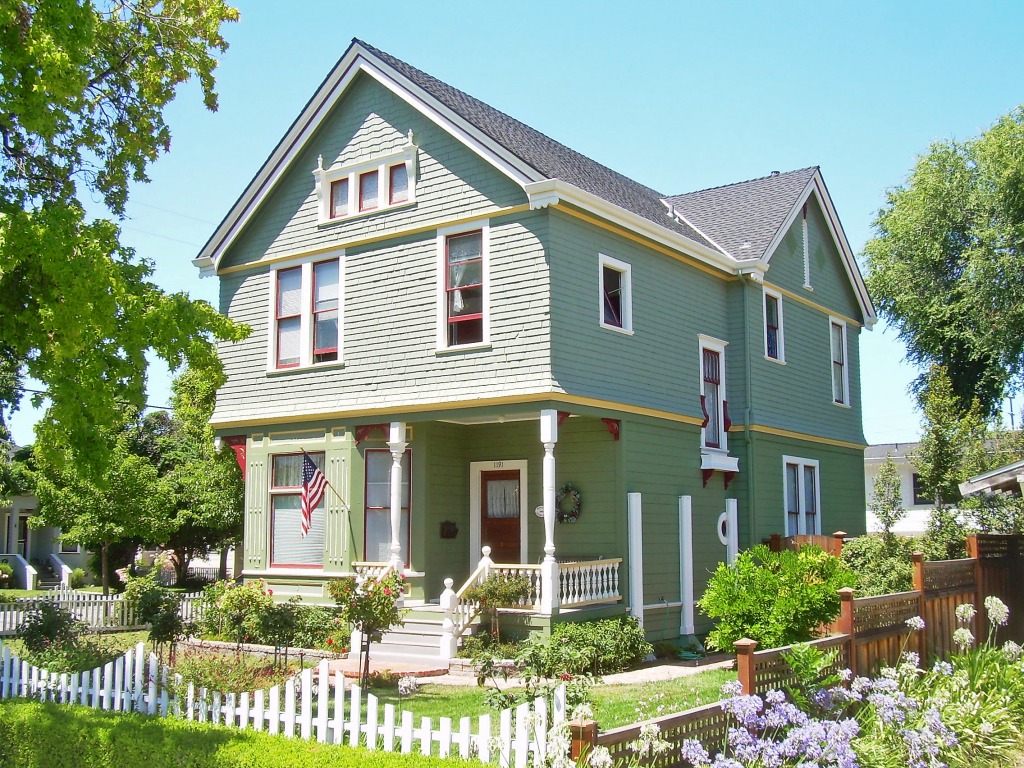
(732, 531)
(12, 530)
(635, 527)
(397, 443)
(686, 565)
(549, 567)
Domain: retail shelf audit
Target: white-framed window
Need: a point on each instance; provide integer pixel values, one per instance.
(616, 294)
(69, 548)
(802, 495)
(288, 547)
(306, 313)
(360, 189)
(774, 338)
(714, 432)
(377, 538)
(463, 286)
(840, 366)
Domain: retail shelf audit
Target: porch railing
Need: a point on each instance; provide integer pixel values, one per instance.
(371, 570)
(589, 582)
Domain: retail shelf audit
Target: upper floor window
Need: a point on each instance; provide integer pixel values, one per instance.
(712, 393)
(306, 314)
(616, 296)
(346, 191)
(921, 497)
(464, 291)
(774, 348)
(802, 496)
(840, 373)
(289, 545)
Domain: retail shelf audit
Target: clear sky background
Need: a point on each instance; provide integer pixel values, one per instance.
(677, 95)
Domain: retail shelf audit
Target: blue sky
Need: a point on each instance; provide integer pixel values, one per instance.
(677, 95)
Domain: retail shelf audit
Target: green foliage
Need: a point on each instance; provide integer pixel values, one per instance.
(945, 537)
(57, 641)
(485, 643)
(159, 607)
(369, 605)
(616, 643)
(78, 578)
(887, 495)
(242, 608)
(229, 672)
(497, 591)
(88, 738)
(6, 576)
(881, 563)
(813, 670)
(946, 268)
(315, 625)
(83, 90)
(776, 598)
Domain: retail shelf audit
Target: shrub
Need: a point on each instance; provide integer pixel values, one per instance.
(617, 643)
(776, 598)
(57, 641)
(881, 563)
(498, 590)
(78, 578)
(159, 607)
(6, 576)
(314, 625)
(231, 672)
(235, 612)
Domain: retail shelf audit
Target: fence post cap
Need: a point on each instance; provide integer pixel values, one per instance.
(847, 593)
(840, 534)
(745, 645)
(917, 557)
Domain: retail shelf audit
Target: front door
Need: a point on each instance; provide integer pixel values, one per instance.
(23, 536)
(499, 514)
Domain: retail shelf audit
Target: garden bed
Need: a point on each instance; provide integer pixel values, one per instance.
(262, 650)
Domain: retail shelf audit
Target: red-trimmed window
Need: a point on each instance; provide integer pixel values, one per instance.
(711, 363)
(339, 198)
(398, 184)
(464, 288)
(325, 311)
(288, 317)
(288, 547)
(377, 542)
(368, 183)
(772, 324)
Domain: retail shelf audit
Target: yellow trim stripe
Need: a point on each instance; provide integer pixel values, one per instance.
(358, 243)
(812, 304)
(615, 229)
(805, 437)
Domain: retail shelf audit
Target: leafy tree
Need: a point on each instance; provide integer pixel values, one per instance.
(83, 89)
(887, 495)
(127, 502)
(946, 267)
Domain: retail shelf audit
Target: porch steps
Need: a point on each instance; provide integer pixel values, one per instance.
(419, 639)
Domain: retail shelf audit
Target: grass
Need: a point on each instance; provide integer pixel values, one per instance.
(117, 642)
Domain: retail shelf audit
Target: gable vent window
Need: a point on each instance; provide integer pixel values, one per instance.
(366, 187)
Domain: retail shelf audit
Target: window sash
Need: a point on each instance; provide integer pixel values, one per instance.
(801, 498)
(325, 311)
(711, 360)
(464, 289)
(792, 499)
(838, 364)
(612, 296)
(287, 546)
(377, 528)
(368, 190)
(339, 198)
(398, 183)
(771, 314)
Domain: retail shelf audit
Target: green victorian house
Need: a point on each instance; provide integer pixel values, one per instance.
(503, 354)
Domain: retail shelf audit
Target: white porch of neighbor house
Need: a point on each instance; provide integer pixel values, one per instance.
(554, 584)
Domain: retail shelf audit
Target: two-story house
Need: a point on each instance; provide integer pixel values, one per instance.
(485, 338)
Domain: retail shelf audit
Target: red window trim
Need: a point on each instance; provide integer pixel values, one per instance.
(717, 381)
(407, 511)
(447, 278)
(291, 491)
(376, 199)
(391, 184)
(331, 201)
(314, 311)
(278, 317)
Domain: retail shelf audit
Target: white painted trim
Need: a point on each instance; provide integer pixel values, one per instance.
(833, 320)
(686, 621)
(383, 164)
(476, 469)
(764, 324)
(715, 345)
(806, 240)
(802, 518)
(634, 518)
(305, 263)
(627, 293)
(442, 309)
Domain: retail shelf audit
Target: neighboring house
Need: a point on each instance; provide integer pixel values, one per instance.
(915, 501)
(1008, 479)
(457, 316)
(40, 548)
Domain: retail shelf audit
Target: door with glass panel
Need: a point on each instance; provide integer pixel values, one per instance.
(500, 514)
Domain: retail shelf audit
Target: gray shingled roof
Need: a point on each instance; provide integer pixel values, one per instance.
(745, 212)
(544, 154)
(896, 450)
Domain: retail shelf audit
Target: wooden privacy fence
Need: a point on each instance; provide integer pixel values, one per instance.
(101, 613)
(832, 544)
(313, 705)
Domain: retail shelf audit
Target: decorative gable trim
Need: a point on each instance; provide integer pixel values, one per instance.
(816, 187)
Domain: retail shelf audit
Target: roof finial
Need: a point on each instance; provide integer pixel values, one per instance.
(320, 162)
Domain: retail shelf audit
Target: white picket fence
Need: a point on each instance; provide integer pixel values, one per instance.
(313, 705)
(99, 612)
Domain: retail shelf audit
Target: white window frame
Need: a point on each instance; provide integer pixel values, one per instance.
(325, 178)
(626, 293)
(802, 464)
(305, 313)
(714, 345)
(835, 321)
(781, 358)
(443, 233)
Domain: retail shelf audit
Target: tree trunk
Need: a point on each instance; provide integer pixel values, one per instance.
(105, 568)
(222, 566)
(180, 561)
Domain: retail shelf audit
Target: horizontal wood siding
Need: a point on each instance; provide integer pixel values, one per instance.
(371, 121)
(390, 333)
(656, 367)
(441, 470)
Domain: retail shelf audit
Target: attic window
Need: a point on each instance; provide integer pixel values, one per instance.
(367, 187)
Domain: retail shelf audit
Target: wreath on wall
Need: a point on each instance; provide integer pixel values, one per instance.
(568, 502)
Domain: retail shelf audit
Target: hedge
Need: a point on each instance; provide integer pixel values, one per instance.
(38, 735)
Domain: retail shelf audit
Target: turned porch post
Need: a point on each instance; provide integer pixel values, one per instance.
(397, 443)
(549, 567)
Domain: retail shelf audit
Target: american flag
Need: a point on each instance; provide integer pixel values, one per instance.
(313, 486)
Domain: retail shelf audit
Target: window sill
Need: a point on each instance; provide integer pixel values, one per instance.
(808, 287)
(776, 360)
(285, 570)
(480, 345)
(711, 458)
(306, 368)
(617, 329)
(841, 405)
(327, 223)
